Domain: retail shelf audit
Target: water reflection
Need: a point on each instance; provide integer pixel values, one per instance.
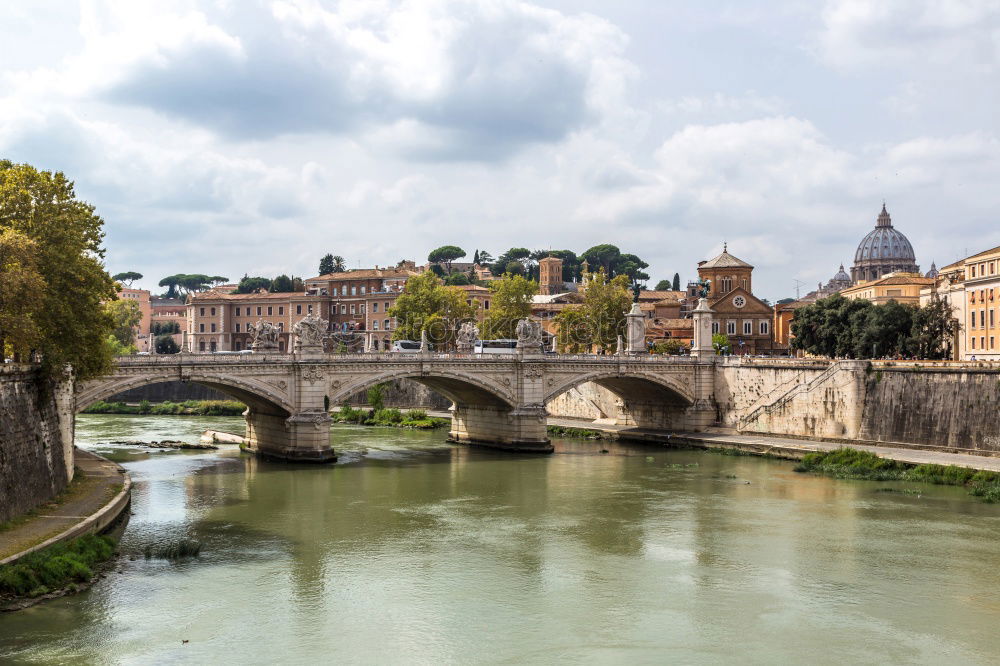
(413, 550)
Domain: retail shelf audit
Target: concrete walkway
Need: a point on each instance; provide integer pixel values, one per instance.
(98, 495)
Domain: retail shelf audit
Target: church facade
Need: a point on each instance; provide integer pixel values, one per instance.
(742, 317)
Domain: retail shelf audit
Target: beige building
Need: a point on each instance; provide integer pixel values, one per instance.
(982, 300)
(949, 285)
(899, 287)
(218, 321)
(142, 298)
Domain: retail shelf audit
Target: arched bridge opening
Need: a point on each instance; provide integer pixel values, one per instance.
(640, 401)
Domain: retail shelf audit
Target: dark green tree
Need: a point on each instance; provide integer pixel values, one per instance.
(663, 285)
(165, 345)
(127, 278)
(676, 286)
(934, 329)
(446, 254)
(457, 279)
(282, 284)
(249, 285)
(326, 264)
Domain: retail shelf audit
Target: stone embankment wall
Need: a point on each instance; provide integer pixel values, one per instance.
(955, 408)
(36, 439)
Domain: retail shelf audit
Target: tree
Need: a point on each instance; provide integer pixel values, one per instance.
(194, 282)
(721, 344)
(519, 254)
(250, 285)
(282, 284)
(485, 258)
(601, 318)
(446, 254)
(125, 316)
(71, 324)
(602, 256)
(457, 280)
(164, 328)
(934, 328)
(20, 285)
(427, 305)
(475, 258)
(165, 344)
(376, 396)
(127, 278)
(326, 264)
(677, 282)
(112, 347)
(216, 280)
(663, 285)
(514, 267)
(631, 265)
(509, 303)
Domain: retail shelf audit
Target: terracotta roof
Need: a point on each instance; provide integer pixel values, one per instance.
(653, 295)
(725, 260)
(366, 274)
(674, 323)
(280, 295)
(470, 287)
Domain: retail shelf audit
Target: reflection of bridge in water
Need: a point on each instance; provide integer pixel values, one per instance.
(498, 400)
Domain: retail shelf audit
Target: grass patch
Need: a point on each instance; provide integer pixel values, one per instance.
(577, 433)
(56, 567)
(848, 463)
(390, 416)
(186, 408)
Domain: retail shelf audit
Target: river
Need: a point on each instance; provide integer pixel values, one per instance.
(412, 550)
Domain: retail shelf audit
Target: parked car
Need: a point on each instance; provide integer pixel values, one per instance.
(407, 347)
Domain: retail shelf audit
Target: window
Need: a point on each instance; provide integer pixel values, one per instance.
(201, 346)
(374, 308)
(201, 328)
(354, 291)
(281, 345)
(237, 311)
(310, 310)
(743, 283)
(730, 328)
(486, 305)
(343, 309)
(362, 290)
(991, 318)
(375, 325)
(765, 327)
(982, 342)
(982, 319)
(386, 322)
(213, 312)
(334, 291)
(281, 309)
(298, 309)
(239, 345)
(258, 310)
(992, 340)
(201, 312)
(212, 345)
(281, 325)
(748, 328)
(269, 310)
(237, 328)
(213, 327)
(386, 307)
(727, 284)
(973, 323)
(353, 309)
(715, 327)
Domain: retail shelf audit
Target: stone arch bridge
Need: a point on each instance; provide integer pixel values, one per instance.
(498, 400)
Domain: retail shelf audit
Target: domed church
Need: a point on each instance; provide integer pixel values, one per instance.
(883, 250)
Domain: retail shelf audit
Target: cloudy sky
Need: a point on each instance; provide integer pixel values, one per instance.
(253, 136)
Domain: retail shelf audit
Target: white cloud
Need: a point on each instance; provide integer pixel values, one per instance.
(900, 32)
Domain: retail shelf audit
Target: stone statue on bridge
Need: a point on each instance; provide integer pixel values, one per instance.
(529, 336)
(467, 336)
(309, 333)
(263, 335)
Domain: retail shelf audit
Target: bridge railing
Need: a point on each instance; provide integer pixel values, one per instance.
(349, 357)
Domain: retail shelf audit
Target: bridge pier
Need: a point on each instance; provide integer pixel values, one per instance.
(521, 429)
(303, 437)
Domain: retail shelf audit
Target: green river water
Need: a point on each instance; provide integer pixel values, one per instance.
(413, 550)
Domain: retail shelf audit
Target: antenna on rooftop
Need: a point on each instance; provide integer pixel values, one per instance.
(798, 284)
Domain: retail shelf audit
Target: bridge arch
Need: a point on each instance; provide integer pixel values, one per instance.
(645, 400)
(257, 395)
(460, 388)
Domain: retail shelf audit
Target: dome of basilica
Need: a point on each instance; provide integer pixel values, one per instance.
(883, 250)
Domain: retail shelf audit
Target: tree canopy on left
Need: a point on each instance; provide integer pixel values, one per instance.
(70, 326)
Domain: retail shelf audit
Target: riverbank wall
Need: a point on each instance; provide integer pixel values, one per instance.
(36, 438)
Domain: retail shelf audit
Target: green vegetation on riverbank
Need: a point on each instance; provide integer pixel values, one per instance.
(64, 565)
(847, 463)
(412, 418)
(576, 433)
(186, 408)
